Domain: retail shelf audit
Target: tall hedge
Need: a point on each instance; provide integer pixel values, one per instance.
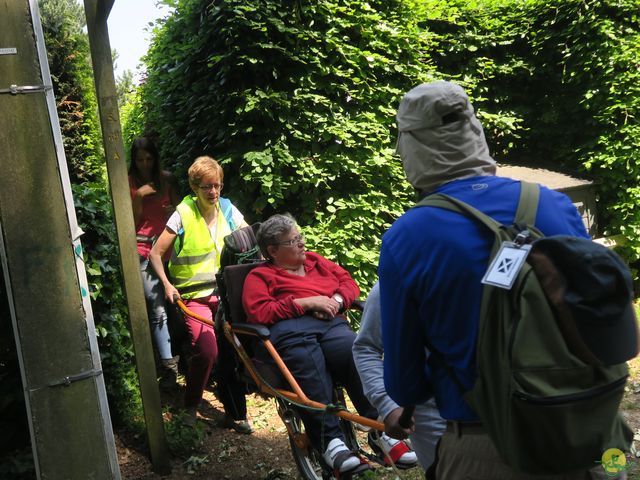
(566, 73)
(297, 100)
(70, 65)
(102, 264)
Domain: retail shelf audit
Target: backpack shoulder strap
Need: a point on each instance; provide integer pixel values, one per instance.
(227, 211)
(528, 204)
(446, 202)
(525, 214)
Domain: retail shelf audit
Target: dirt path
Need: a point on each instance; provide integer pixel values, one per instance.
(225, 454)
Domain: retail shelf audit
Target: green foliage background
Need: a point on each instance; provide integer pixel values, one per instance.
(72, 76)
(563, 78)
(102, 264)
(297, 100)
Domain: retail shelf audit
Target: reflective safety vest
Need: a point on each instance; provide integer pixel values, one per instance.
(196, 253)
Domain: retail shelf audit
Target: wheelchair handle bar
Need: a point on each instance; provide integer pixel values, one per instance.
(178, 301)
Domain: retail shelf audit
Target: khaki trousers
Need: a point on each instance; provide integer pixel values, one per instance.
(473, 457)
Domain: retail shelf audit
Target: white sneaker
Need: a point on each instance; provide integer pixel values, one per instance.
(399, 451)
(339, 457)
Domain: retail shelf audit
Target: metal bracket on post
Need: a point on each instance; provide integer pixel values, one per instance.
(69, 379)
(16, 89)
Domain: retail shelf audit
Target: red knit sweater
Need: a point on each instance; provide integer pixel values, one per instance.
(269, 291)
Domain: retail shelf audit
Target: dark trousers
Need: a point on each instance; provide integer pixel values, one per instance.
(230, 389)
(318, 352)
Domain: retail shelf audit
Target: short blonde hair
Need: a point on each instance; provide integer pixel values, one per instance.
(202, 167)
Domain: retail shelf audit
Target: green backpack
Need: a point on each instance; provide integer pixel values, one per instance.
(548, 405)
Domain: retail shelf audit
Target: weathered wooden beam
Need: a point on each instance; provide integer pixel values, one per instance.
(104, 9)
(64, 390)
(119, 186)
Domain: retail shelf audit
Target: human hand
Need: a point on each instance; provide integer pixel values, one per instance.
(146, 189)
(171, 293)
(322, 306)
(392, 426)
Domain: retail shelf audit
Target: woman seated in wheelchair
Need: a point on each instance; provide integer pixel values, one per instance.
(300, 296)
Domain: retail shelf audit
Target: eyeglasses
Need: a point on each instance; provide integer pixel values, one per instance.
(211, 186)
(294, 242)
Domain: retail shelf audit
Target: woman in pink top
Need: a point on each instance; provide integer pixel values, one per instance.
(154, 198)
(300, 295)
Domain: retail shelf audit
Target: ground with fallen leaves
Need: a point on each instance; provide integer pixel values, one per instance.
(224, 454)
(228, 455)
(265, 454)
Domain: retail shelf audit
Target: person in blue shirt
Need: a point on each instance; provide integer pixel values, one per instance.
(431, 265)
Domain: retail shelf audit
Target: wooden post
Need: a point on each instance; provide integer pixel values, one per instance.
(41, 258)
(97, 12)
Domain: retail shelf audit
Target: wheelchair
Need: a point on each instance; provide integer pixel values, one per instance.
(279, 383)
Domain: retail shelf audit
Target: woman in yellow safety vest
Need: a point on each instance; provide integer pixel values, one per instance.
(196, 231)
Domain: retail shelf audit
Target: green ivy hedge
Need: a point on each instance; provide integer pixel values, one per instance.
(68, 54)
(297, 100)
(566, 74)
(102, 264)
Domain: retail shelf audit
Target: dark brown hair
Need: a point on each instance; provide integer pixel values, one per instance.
(148, 145)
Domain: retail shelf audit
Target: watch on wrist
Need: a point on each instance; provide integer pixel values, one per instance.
(338, 298)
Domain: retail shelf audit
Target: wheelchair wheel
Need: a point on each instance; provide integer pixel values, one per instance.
(308, 461)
